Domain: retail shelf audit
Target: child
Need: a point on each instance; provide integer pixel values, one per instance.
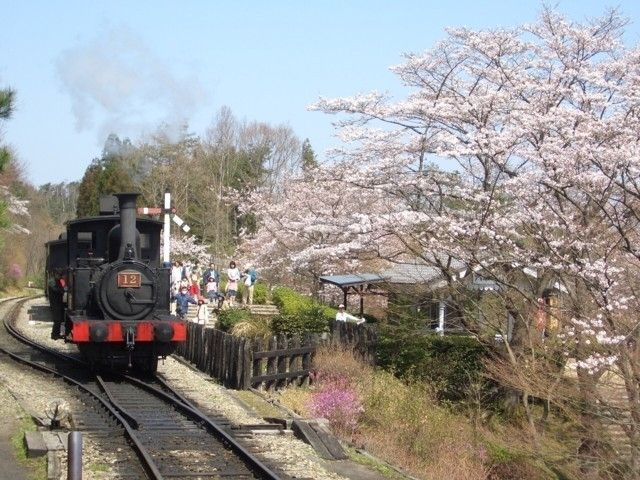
(203, 312)
(211, 288)
(183, 299)
(194, 288)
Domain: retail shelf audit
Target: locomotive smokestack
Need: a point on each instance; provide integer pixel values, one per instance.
(127, 203)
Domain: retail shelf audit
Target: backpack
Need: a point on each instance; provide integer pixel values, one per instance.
(254, 276)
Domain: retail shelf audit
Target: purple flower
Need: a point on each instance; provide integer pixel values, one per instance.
(15, 272)
(337, 402)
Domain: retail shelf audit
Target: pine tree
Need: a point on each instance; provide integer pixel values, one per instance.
(105, 176)
(6, 109)
(308, 156)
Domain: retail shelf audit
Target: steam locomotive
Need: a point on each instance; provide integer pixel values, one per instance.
(109, 291)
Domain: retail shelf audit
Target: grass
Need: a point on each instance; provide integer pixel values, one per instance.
(257, 404)
(12, 291)
(98, 467)
(374, 464)
(296, 399)
(37, 467)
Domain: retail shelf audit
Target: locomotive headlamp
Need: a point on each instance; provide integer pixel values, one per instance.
(163, 332)
(98, 332)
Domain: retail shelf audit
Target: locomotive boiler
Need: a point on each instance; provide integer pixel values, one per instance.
(114, 289)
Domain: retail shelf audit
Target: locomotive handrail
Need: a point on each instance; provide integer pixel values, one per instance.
(91, 260)
(131, 299)
(141, 302)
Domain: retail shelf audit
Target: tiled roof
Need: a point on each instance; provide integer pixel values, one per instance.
(349, 280)
(417, 272)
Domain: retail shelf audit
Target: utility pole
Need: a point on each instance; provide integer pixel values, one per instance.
(167, 227)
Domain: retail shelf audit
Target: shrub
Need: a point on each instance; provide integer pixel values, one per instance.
(369, 318)
(260, 293)
(339, 403)
(290, 302)
(337, 362)
(227, 319)
(37, 281)
(14, 274)
(310, 319)
(450, 364)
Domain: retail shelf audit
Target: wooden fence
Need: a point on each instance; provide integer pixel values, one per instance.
(242, 363)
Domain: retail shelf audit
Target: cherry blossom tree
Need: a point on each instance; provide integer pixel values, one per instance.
(539, 126)
(188, 248)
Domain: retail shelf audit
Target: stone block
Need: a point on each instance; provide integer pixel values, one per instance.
(36, 446)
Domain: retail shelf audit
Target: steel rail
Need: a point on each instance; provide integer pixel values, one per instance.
(193, 413)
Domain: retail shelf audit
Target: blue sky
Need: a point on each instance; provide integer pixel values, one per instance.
(84, 69)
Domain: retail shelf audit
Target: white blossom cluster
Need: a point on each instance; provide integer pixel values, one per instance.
(188, 248)
(16, 207)
(596, 362)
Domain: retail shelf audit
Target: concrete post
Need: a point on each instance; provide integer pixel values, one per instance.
(74, 456)
(441, 318)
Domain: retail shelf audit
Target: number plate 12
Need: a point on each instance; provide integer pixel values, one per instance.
(129, 280)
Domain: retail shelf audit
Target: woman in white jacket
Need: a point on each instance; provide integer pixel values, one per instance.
(233, 276)
(343, 316)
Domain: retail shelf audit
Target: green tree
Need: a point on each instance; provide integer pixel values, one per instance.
(59, 200)
(112, 173)
(7, 97)
(309, 160)
(88, 197)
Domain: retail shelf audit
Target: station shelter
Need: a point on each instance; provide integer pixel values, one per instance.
(362, 284)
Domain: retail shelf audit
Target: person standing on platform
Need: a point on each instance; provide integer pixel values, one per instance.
(250, 278)
(343, 316)
(210, 272)
(233, 277)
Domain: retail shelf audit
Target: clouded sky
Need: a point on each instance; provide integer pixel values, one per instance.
(83, 69)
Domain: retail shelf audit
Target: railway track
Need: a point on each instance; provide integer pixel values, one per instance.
(171, 437)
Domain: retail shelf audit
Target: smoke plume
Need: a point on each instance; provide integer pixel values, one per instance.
(117, 84)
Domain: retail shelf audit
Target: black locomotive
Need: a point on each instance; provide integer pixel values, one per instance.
(108, 290)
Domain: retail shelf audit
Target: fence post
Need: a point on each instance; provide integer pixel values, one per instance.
(213, 335)
(282, 360)
(271, 362)
(245, 379)
(294, 360)
(306, 359)
(257, 362)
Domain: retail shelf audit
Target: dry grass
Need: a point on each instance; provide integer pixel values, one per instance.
(401, 424)
(340, 362)
(256, 327)
(404, 425)
(296, 399)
